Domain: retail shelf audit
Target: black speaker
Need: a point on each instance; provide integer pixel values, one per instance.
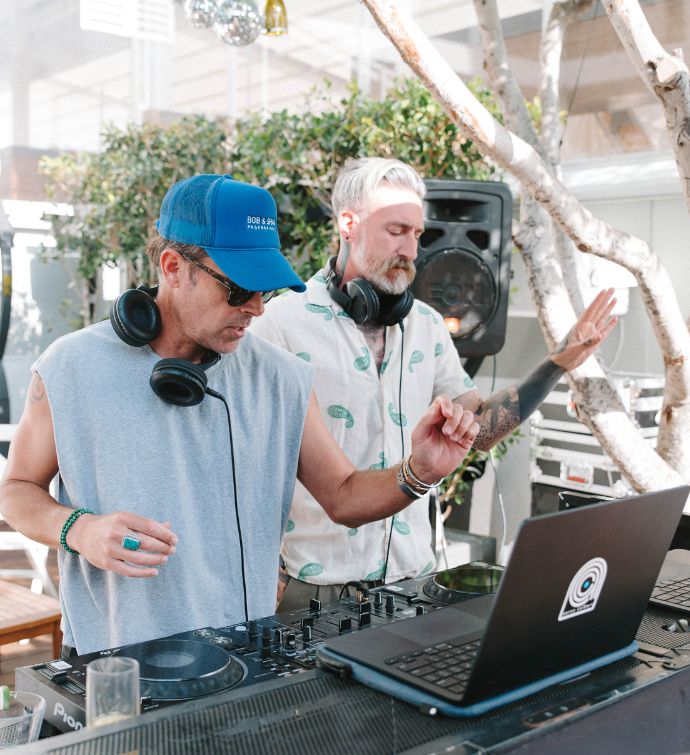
(463, 260)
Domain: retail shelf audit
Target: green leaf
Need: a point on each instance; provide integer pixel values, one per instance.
(362, 363)
(399, 419)
(438, 349)
(415, 358)
(402, 527)
(309, 570)
(340, 412)
(321, 310)
(289, 526)
(376, 574)
(304, 355)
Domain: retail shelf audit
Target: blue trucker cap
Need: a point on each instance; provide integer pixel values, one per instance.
(235, 223)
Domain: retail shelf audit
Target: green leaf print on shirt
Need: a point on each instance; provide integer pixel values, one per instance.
(320, 310)
(309, 570)
(385, 363)
(438, 349)
(304, 355)
(415, 358)
(377, 573)
(469, 383)
(426, 311)
(362, 363)
(399, 419)
(344, 315)
(340, 412)
(402, 527)
(352, 531)
(289, 526)
(320, 278)
(382, 463)
(429, 567)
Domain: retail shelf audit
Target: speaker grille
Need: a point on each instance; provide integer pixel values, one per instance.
(652, 629)
(310, 716)
(458, 284)
(430, 236)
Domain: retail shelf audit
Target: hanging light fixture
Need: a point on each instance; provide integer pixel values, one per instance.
(275, 18)
(200, 13)
(237, 22)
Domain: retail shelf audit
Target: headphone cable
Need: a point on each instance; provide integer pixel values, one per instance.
(402, 441)
(220, 396)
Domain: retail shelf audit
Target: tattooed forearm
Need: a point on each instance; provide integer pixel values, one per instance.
(36, 390)
(500, 414)
(497, 416)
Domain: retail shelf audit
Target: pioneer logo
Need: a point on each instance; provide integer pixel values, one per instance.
(60, 712)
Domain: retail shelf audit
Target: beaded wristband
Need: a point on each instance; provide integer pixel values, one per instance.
(71, 519)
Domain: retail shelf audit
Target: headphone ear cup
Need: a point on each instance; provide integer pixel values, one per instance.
(394, 309)
(178, 382)
(135, 317)
(364, 301)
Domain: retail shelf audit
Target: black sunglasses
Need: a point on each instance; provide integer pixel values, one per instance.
(237, 296)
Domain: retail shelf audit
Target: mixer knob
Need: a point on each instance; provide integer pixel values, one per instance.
(345, 624)
(390, 604)
(314, 604)
(420, 610)
(306, 633)
(378, 600)
(307, 621)
(290, 641)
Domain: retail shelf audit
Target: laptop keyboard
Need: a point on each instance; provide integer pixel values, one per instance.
(673, 593)
(446, 665)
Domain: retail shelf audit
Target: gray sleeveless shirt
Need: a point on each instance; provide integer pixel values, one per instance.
(121, 448)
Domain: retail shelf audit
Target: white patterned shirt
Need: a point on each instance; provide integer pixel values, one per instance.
(370, 420)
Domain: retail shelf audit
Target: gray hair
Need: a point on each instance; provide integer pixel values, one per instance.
(358, 179)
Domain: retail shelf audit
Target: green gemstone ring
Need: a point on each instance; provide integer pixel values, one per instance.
(131, 543)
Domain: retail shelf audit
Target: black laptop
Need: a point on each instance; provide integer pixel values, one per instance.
(570, 600)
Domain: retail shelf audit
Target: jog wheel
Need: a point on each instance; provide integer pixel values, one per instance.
(463, 582)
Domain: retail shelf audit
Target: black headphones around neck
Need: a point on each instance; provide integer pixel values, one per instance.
(364, 303)
(136, 319)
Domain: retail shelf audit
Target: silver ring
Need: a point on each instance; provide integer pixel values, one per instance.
(131, 542)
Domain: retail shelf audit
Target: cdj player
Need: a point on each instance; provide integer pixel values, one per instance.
(210, 660)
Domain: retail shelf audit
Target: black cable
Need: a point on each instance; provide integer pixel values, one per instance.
(402, 441)
(220, 396)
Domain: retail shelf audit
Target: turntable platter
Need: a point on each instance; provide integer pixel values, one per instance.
(464, 582)
(184, 669)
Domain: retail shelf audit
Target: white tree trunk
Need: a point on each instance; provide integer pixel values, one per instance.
(613, 429)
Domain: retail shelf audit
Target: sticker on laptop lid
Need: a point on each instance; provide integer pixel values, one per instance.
(584, 589)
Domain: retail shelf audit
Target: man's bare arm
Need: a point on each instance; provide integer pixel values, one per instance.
(503, 412)
(26, 504)
(353, 497)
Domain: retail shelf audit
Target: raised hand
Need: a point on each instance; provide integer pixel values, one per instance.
(441, 439)
(592, 327)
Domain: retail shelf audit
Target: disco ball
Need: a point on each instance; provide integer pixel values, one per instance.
(200, 13)
(237, 22)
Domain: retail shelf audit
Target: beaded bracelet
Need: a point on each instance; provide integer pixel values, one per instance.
(71, 519)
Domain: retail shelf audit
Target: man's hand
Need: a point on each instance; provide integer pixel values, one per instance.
(441, 439)
(99, 539)
(593, 326)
